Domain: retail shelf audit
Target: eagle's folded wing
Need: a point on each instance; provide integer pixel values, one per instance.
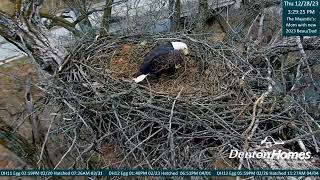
(166, 61)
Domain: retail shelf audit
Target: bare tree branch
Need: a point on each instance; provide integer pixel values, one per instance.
(26, 32)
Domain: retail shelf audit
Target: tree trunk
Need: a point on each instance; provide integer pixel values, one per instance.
(106, 18)
(26, 32)
(17, 144)
(203, 13)
(174, 9)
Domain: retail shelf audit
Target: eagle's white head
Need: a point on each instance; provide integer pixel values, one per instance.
(180, 46)
(140, 78)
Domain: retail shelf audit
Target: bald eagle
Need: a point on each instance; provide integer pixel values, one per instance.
(163, 59)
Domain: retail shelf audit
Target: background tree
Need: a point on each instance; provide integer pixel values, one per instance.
(104, 29)
(174, 9)
(81, 8)
(203, 13)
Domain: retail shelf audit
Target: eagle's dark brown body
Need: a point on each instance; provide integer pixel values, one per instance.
(161, 60)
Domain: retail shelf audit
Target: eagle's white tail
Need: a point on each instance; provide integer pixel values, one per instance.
(140, 78)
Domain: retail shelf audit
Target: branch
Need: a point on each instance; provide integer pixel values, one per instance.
(289, 45)
(31, 111)
(170, 135)
(70, 26)
(84, 16)
(17, 144)
(26, 32)
(59, 21)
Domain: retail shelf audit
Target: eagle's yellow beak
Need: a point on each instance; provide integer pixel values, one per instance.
(185, 51)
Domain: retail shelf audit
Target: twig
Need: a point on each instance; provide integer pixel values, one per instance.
(31, 111)
(70, 148)
(45, 141)
(170, 135)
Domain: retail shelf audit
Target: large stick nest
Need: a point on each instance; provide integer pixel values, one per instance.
(219, 101)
